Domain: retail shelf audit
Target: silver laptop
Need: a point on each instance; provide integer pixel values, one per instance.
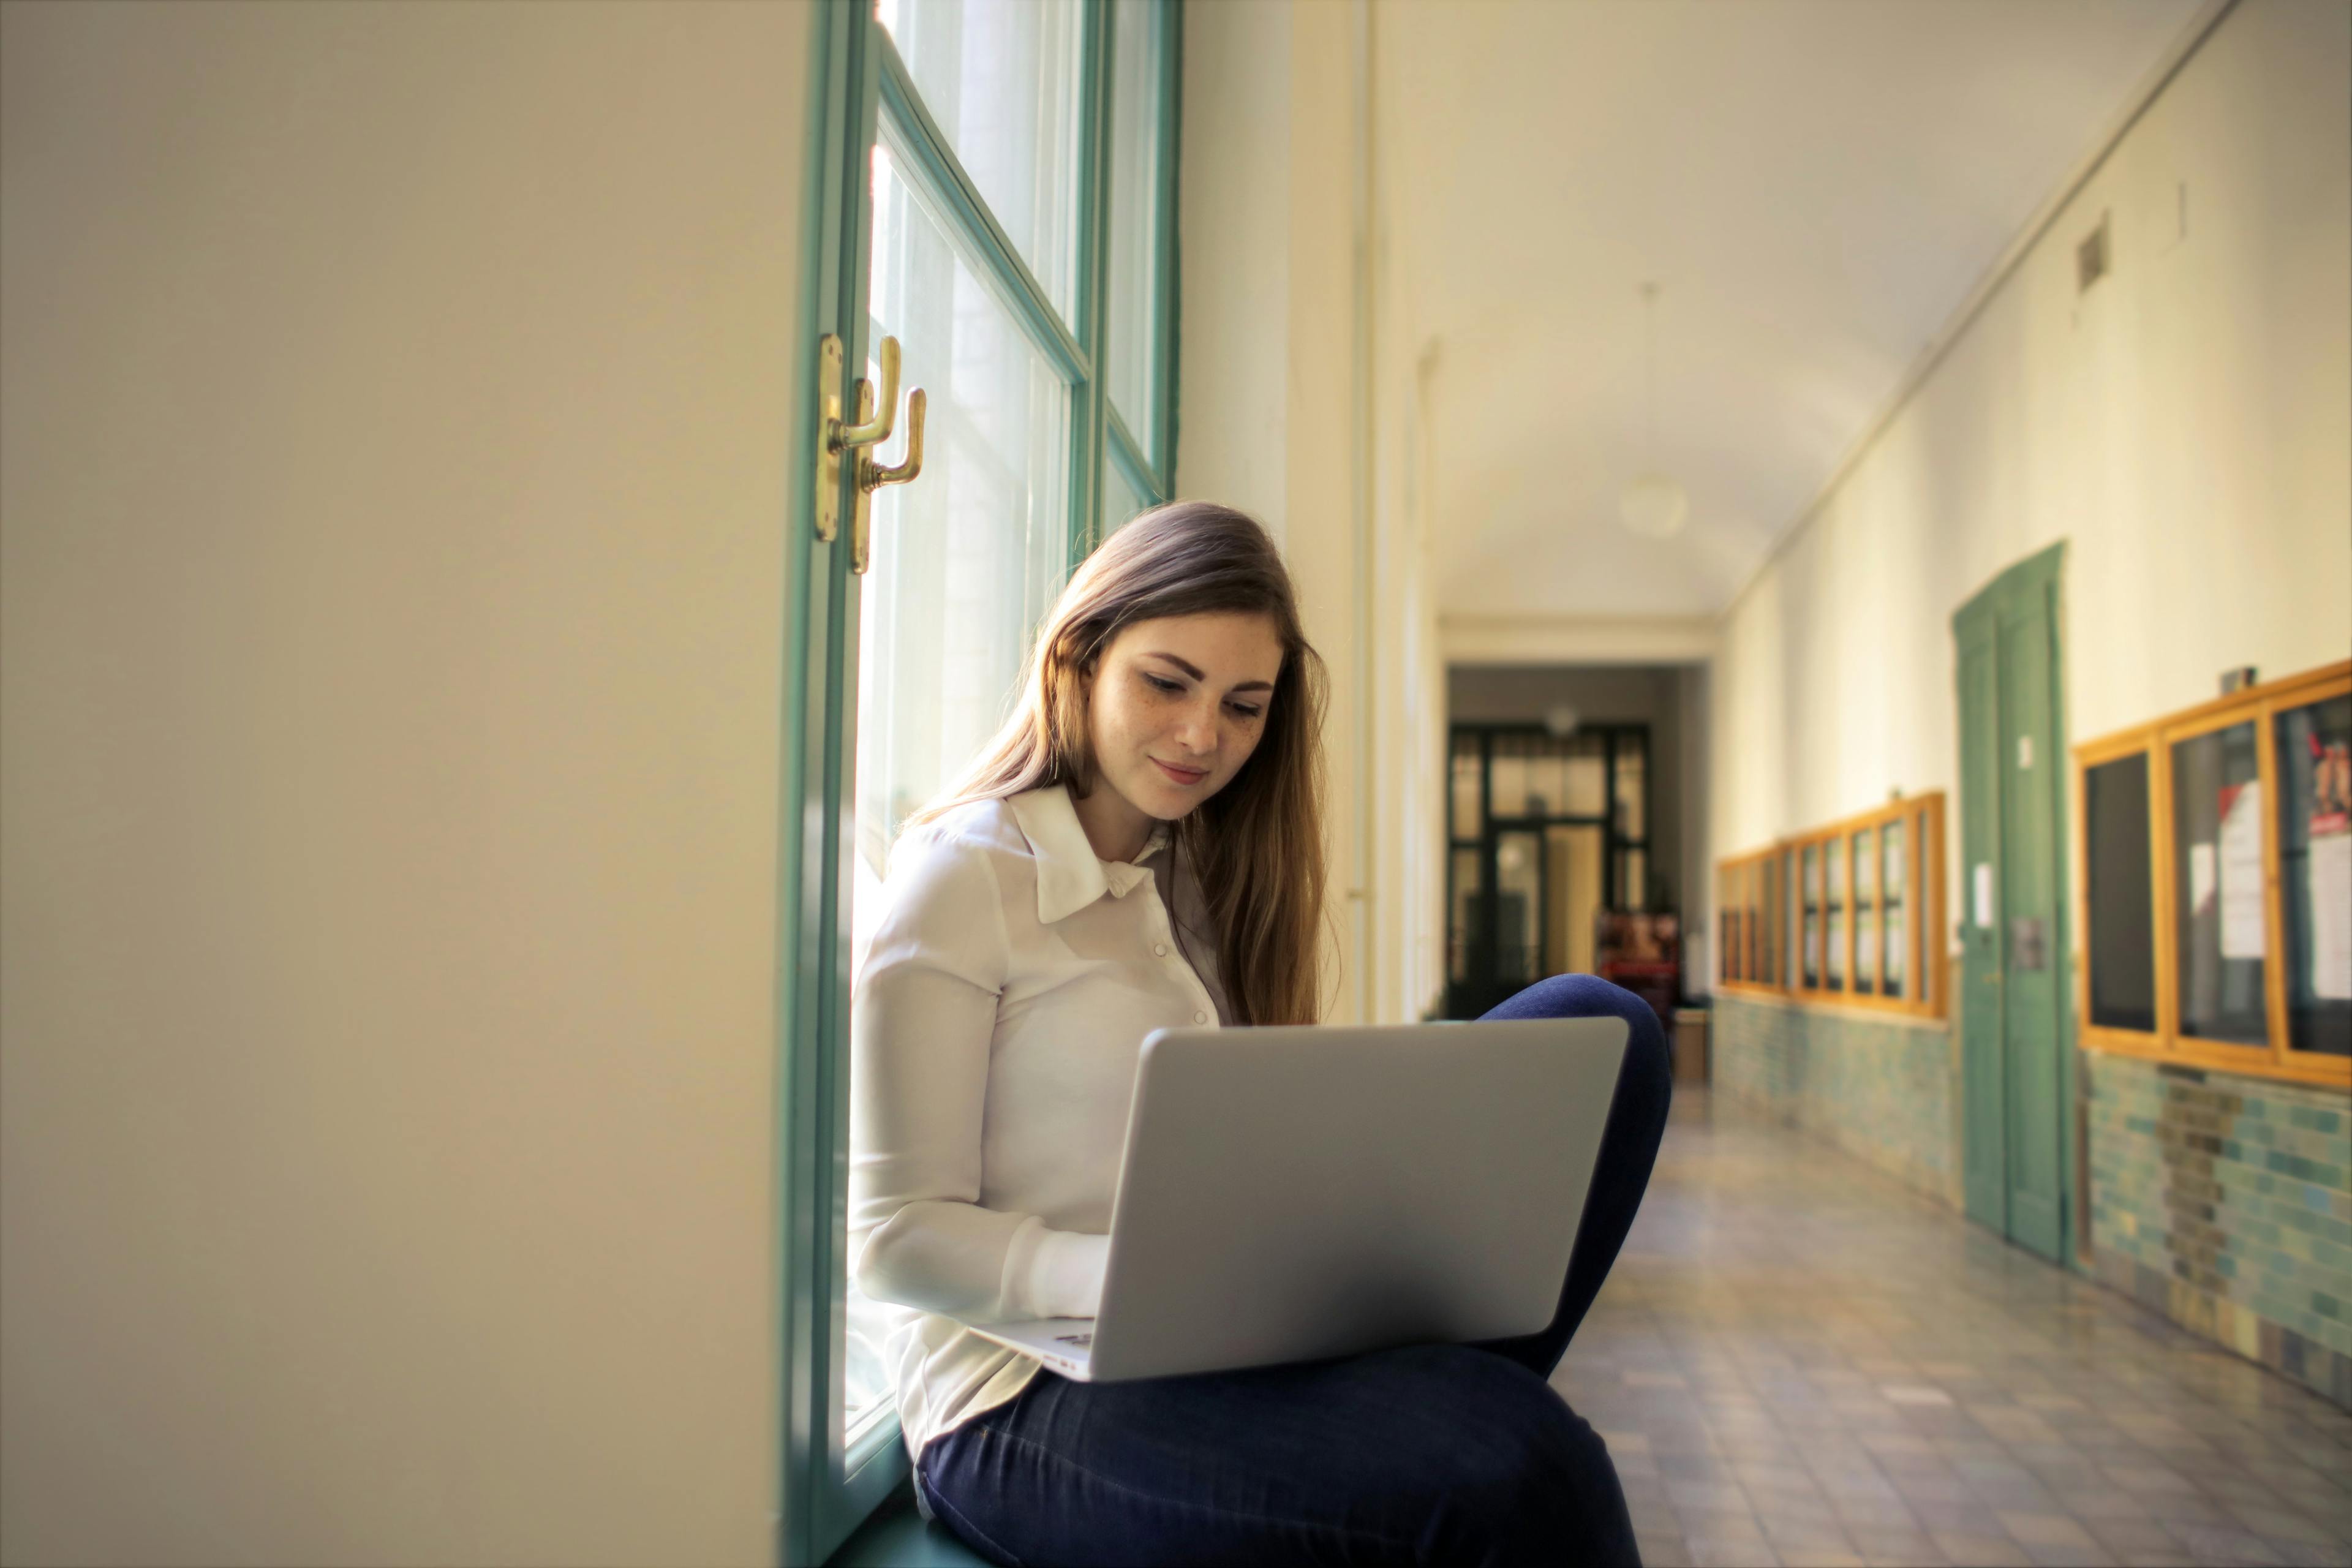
(1294, 1194)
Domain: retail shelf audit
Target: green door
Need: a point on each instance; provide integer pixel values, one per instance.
(2016, 1067)
(1984, 1122)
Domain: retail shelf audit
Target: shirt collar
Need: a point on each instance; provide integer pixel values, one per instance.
(1070, 875)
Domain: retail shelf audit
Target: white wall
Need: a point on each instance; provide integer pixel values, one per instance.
(1234, 228)
(397, 403)
(2186, 425)
(1280, 115)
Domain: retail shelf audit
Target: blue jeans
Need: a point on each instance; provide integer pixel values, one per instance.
(1423, 1455)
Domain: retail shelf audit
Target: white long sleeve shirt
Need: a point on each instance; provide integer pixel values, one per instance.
(994, 1030)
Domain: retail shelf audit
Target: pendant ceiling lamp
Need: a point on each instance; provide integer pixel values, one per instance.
(1653, 505)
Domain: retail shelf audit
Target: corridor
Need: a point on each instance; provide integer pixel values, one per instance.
(1834, 516)
(1800, 1361)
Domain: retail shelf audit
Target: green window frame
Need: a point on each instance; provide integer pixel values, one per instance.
(864, 91)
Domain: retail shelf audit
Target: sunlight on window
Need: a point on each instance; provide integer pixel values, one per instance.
(1000, 80)
(965, 562)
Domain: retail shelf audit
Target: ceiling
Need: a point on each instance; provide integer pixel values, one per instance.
(1816, 185)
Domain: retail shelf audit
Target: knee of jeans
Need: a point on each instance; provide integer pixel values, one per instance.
(1647, 1055)
(1528, 1487)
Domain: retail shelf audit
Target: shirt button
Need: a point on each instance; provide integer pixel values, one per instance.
(1199, 1017)
(1160, 949)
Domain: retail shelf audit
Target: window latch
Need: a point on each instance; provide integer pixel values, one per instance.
(835, 437)
(872, 476)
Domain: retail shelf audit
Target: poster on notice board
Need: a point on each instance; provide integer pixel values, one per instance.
(2328, 868)
(2242, 870)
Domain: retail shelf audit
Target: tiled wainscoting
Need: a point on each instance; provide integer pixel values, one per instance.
(2226, 1204)
(1885, 1088)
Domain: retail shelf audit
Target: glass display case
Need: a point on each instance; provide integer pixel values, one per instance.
(2216, 883)
(1843, 914)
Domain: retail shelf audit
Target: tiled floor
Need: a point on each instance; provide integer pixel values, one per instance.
(1800, 1361)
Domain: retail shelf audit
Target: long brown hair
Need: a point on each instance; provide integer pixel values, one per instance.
(1257, 845)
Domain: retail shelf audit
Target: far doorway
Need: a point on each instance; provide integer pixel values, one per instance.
(1545, 831)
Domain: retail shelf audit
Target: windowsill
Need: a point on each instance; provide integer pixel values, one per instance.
(897, 1536)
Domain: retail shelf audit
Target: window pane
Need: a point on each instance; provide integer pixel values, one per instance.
(2216, 835)
(1751, 965)
(1632, 785)
(2314, 766)
(1932, 970)
(1546, 779)
(1134, 214)
(1736, 955)
(1507, 791)
(1587, 789)
(1461, 930)
(1000, 79)
(965, 561)
(1726, 919)
(1834, 905)
(1632, 879)
(1865, 912)
(1812, 893)
(1121, 499)
(1792, 922)
(1744, 960)
(1892, 894)
(2121, 895)
(1468, 820)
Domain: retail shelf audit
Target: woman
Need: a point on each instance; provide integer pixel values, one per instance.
(1141, 847)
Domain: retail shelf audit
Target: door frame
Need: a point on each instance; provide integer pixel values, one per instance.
(2040, 574)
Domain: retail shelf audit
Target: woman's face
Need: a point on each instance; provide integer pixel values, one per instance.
(1179, 704)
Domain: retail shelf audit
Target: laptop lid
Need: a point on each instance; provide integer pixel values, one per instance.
(1295, 1193)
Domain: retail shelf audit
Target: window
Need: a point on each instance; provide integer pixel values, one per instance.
(2217, 883)
(1010, 224)
(1844, 913)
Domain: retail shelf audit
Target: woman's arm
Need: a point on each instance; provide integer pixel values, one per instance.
(921, 1024)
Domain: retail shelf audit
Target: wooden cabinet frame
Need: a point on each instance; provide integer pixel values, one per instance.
(2258, 705)
(1761, 902)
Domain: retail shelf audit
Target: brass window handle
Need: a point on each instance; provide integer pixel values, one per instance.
(871, 430)
(835, 437)
(872, 476)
